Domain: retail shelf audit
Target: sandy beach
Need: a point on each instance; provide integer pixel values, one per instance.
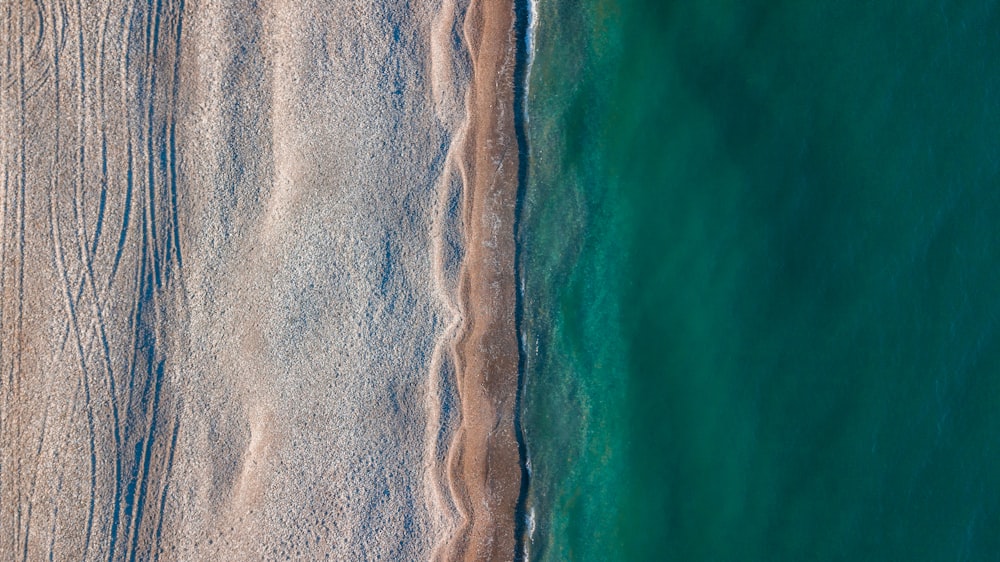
(257, 280)
(484, 460)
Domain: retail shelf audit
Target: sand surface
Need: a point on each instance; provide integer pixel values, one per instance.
(256, 269)
(484, 461)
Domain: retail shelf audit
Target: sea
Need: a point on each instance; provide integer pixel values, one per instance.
(759, 251)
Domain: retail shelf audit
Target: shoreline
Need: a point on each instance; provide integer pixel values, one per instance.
(485, 458)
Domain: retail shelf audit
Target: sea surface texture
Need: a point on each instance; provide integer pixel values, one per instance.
(762, 281)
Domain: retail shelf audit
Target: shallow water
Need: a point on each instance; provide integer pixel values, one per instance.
(761, 287)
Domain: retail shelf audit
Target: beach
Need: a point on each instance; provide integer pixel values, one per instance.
(484, 461)
(258, 281)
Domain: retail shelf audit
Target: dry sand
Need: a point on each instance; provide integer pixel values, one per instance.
(257, 281)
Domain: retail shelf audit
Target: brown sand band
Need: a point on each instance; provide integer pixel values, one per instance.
(484, 462)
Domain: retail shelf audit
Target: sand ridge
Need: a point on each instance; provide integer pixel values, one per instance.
(484, 461)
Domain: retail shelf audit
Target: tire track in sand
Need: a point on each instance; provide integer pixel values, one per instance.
(78, 397)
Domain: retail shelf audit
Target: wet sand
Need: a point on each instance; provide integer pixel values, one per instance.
(484, 461)
(257, 281)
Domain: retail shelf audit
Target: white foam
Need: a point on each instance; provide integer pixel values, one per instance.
(529, 44)
(531, 533)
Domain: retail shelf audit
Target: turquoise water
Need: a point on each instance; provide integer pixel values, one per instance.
(762, 281)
